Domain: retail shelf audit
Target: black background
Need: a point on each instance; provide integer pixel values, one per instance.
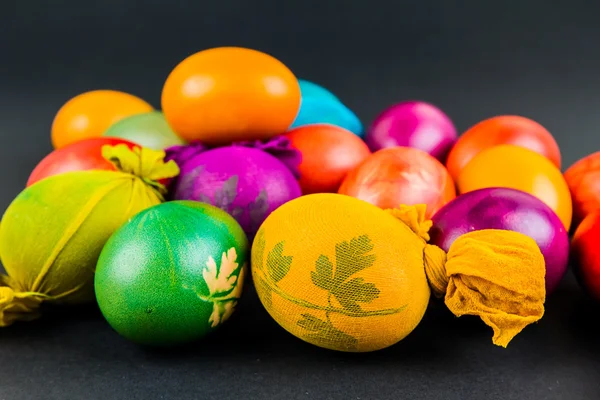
(474, 59)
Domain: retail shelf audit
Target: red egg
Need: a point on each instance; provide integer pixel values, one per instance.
(328, 153)
(401, 175)
(585, 254)
(583, 179)
(78, 156)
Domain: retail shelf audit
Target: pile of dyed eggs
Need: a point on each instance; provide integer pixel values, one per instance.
(250, 176)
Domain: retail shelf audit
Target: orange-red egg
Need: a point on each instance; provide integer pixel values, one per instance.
(328, 153)
(401, 175)
(228, 94)
(585, 254)
(504, 129)
(583, 178)
(518, 168)
(89, 114)
(83, 155)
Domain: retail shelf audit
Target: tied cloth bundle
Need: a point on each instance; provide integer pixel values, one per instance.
(497, 275)
(345, 275)
(53, 231)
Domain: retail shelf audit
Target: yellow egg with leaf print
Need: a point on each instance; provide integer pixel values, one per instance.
(345, 275)
(322, 269)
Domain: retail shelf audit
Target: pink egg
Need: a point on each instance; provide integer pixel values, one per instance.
(413, 124)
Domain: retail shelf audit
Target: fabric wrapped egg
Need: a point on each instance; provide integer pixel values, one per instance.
(510, 209)
(345, 275)
(248, 180)
(52, 233)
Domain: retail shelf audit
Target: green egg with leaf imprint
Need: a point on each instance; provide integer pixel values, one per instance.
(173, 274)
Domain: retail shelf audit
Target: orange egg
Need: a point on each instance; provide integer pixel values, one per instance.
(522, 169)
(400, 175)
(502, 129)
(228, 94)
(328, 153)
(89, 114)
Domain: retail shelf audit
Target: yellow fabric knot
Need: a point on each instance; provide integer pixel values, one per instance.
(15, 305)
(497, 275)
(435, 269)
(414, 218)
(145, 163)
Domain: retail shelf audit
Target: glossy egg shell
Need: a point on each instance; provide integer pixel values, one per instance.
(522, 169)
(585, 254)
(506, 209)
(227, 94)
(504, 129)
(324, 111)
(583, 178)
(328, 154)
(413, 124)
(89, 114)
(400, 175)
(314, 91)
(79, 156)
(247, 183)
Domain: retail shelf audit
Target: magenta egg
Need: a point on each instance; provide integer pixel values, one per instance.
(506, 209)
(247, 180)
(413, 124)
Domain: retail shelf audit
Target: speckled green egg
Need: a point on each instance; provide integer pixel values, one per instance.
(172, 274)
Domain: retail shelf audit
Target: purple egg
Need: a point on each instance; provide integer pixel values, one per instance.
(506, 209)
(413, 124)
(247, 180)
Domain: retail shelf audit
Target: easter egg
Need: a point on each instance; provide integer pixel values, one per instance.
(53, 232)
(585, 254)
(324, 269)
(149, 130)
(507, 209)
(400, 175)
(173, 274)
(89, 114)
(522, 169)
(247, 183)
(227, 94)
(413, 124)
(504, 129)
(583, 178)
(328, 154)
(318, 111)
(320, 106)
(312, 90)
(78, 156)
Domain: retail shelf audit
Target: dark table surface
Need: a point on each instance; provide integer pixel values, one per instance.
(474, 59)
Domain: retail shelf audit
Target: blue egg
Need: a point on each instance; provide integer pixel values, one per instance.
(321, 111)
(314, 91)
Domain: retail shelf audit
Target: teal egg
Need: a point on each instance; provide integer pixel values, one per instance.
(173, 274)
(312, 90)
(320, 106)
